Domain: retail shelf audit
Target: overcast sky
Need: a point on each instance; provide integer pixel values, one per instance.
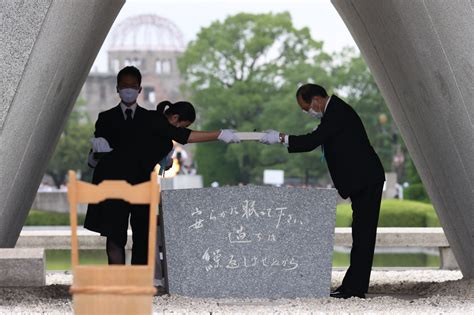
(191, 15)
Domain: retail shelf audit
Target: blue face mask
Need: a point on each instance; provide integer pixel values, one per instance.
(128, 95)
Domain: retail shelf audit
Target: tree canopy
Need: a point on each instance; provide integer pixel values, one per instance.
(242, 74)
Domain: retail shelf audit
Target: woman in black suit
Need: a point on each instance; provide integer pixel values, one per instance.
(153, 140)
(170, 122)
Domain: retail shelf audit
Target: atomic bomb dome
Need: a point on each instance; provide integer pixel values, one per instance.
(146, 32)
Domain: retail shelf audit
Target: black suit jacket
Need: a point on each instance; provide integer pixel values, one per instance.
(127, 141)
(352, 161)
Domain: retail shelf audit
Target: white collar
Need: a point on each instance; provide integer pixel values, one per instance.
(326, 106)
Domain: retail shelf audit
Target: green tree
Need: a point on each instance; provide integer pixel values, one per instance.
(241, 73)
(73, 147)
(354, 81)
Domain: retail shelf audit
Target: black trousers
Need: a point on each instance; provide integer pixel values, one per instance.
(365, 216)
(116, 224)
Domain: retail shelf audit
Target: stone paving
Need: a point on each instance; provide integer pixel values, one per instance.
(416, 291)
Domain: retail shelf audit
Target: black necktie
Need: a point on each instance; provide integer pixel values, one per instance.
(128, 114)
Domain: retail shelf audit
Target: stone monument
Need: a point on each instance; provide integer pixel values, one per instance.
(249, 241)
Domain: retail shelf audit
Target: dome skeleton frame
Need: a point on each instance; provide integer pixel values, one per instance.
(147, 32)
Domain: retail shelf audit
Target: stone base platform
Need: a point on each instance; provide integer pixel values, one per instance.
(21, 267)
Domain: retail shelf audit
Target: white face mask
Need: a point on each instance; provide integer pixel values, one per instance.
(128, 95)
(314, 113)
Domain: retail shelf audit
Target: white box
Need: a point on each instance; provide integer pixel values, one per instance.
(274, 177)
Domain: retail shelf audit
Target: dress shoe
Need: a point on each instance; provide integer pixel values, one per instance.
(346, 295)
(160, 290)
(338, 289)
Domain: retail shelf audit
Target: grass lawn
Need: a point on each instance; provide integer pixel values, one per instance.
(61, 259)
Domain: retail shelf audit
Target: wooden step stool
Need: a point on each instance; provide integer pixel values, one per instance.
(113, 289)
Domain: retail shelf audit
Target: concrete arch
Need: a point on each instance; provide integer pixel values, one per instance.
(48, 48)
(421, 54)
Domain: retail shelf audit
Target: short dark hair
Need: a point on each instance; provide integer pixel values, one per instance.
(308, 91)
(131, 71)
(185, 110)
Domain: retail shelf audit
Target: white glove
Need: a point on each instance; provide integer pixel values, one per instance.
(100, 145)
(228, 136)
(271, 137)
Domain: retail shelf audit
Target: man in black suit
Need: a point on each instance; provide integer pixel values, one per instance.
(123, 127)
(355, 169)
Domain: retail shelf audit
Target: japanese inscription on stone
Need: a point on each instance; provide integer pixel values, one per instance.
(249, 241)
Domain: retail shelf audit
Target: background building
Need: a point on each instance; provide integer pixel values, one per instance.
(148, 42)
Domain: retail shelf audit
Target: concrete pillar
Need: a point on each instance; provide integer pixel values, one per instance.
(421, 54)
(47, 50)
